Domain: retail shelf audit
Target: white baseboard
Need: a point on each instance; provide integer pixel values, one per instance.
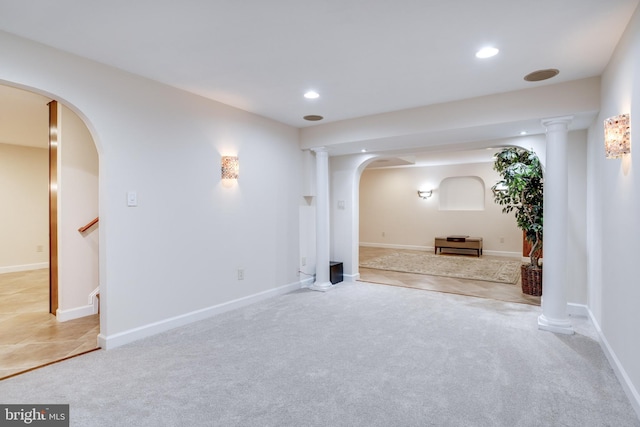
(504, 254)
(351, 277)
(625, 381)
(82, 311)
(305, 283)
(392, 246)
(74, 313)
(345, 278)
(108, 342)
(432, 249)
(25, 267)
(579, 310)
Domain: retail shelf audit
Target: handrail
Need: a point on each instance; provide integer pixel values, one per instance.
(89, 225)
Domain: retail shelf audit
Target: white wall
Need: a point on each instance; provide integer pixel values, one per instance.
(78, 262)
(24, 216)
(614, 208)
(389, 204)
(174, 257)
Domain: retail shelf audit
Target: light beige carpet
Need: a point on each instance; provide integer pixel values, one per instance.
(360, 355)
(462, 267)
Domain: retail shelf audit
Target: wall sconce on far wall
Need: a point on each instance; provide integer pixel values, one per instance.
(230, 166)
(617, 136)
(425, 194)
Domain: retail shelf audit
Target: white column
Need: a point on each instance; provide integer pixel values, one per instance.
(554, 315)
(323, 282)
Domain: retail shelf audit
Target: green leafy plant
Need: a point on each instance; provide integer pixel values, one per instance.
(521, 190)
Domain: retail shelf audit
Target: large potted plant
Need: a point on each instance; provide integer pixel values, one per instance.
(521, 190)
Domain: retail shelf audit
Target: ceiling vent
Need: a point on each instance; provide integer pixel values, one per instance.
(540, 75)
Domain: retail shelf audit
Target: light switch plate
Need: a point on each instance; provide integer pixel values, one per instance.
(132, 198)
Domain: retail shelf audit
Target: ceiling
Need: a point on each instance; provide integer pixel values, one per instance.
(362, 56)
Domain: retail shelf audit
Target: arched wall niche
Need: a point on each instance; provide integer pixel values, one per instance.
(461, 193)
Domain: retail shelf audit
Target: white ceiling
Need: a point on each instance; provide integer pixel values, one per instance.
(363, 56)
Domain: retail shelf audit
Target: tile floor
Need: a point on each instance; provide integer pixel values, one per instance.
(491, 290)
(29, 335)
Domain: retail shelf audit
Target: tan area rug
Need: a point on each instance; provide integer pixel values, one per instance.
(461, 267)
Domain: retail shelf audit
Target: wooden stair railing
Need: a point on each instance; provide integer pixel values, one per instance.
(89, 225)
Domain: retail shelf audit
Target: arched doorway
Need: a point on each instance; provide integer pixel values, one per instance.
(31, 334)
(347, 176)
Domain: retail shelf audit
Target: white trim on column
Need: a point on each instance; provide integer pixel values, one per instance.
(559, 326)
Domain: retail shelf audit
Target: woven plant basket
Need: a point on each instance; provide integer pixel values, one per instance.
(531, 280)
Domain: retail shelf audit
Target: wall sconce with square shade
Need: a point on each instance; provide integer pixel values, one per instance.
(425, 194)
(230, 166)
(617, 136)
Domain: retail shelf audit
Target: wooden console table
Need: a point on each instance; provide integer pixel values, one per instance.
(459, 242)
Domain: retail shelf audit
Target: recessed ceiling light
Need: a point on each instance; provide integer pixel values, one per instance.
(487, 52)
(524, 132)
(539, 75)
(313, 118)
(312, 94)
(364, 150)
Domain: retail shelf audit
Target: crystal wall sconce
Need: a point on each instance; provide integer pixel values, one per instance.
(617, 136)
(230, 166)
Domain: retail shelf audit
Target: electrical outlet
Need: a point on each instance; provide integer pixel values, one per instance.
(502, 240)
(383, 234)
(241, 274)
(39, 248)
(303, 261)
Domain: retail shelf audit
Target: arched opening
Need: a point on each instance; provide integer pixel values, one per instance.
(392, 218)
(26, 321)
